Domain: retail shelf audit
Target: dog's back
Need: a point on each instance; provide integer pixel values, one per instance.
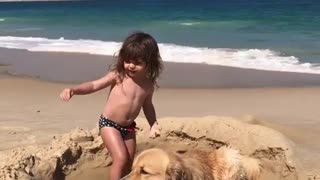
(252, 167)
(230, 165)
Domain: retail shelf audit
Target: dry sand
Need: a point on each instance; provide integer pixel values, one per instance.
(32, 114)
(73, 154)
(278, 125)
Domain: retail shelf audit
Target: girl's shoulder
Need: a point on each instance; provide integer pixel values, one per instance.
(150, 86)
(116, 76)
(113, 74)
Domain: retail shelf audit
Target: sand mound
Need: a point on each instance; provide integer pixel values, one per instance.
(68, 153)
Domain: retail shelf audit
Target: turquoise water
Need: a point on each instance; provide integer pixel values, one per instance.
(273, 35)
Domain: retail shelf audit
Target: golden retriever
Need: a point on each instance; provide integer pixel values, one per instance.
(222, 164)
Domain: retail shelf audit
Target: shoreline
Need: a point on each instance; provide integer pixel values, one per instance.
(79, 67)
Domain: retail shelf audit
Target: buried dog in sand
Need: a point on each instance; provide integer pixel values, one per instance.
(222, 164)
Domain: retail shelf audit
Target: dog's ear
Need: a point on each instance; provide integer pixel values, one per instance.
(175, 170)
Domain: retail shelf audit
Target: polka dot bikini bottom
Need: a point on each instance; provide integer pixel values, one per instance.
(124, 130)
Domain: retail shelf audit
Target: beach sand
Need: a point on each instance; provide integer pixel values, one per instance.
(191, 106)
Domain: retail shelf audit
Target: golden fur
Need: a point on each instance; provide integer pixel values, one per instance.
(222, 164)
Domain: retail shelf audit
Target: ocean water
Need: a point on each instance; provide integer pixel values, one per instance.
(277, 35)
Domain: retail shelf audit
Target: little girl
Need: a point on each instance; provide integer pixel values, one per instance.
(132, 81)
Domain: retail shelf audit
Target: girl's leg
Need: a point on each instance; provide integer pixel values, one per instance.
(130, 142)
(114, 142)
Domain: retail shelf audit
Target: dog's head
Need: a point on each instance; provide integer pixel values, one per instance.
(156, 164)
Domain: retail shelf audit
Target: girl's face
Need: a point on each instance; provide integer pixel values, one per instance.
(135, 68)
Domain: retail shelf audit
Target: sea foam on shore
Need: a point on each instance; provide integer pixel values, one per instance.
(260, 59)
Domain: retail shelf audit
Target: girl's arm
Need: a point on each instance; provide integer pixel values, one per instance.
(149, 110)
(89, 87)
(150, 114)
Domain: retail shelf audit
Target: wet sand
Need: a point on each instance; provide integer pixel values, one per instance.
(77, 67)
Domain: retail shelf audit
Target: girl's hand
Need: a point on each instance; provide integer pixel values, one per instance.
(155, 130)
(66, 94)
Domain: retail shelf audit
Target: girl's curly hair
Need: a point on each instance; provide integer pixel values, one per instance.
(143, 47)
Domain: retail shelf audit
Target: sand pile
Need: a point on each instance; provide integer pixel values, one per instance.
(50, 162)
(66, 154)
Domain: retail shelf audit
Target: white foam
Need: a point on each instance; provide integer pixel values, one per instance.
(189, 23)
(263, 59)
(2, 19)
